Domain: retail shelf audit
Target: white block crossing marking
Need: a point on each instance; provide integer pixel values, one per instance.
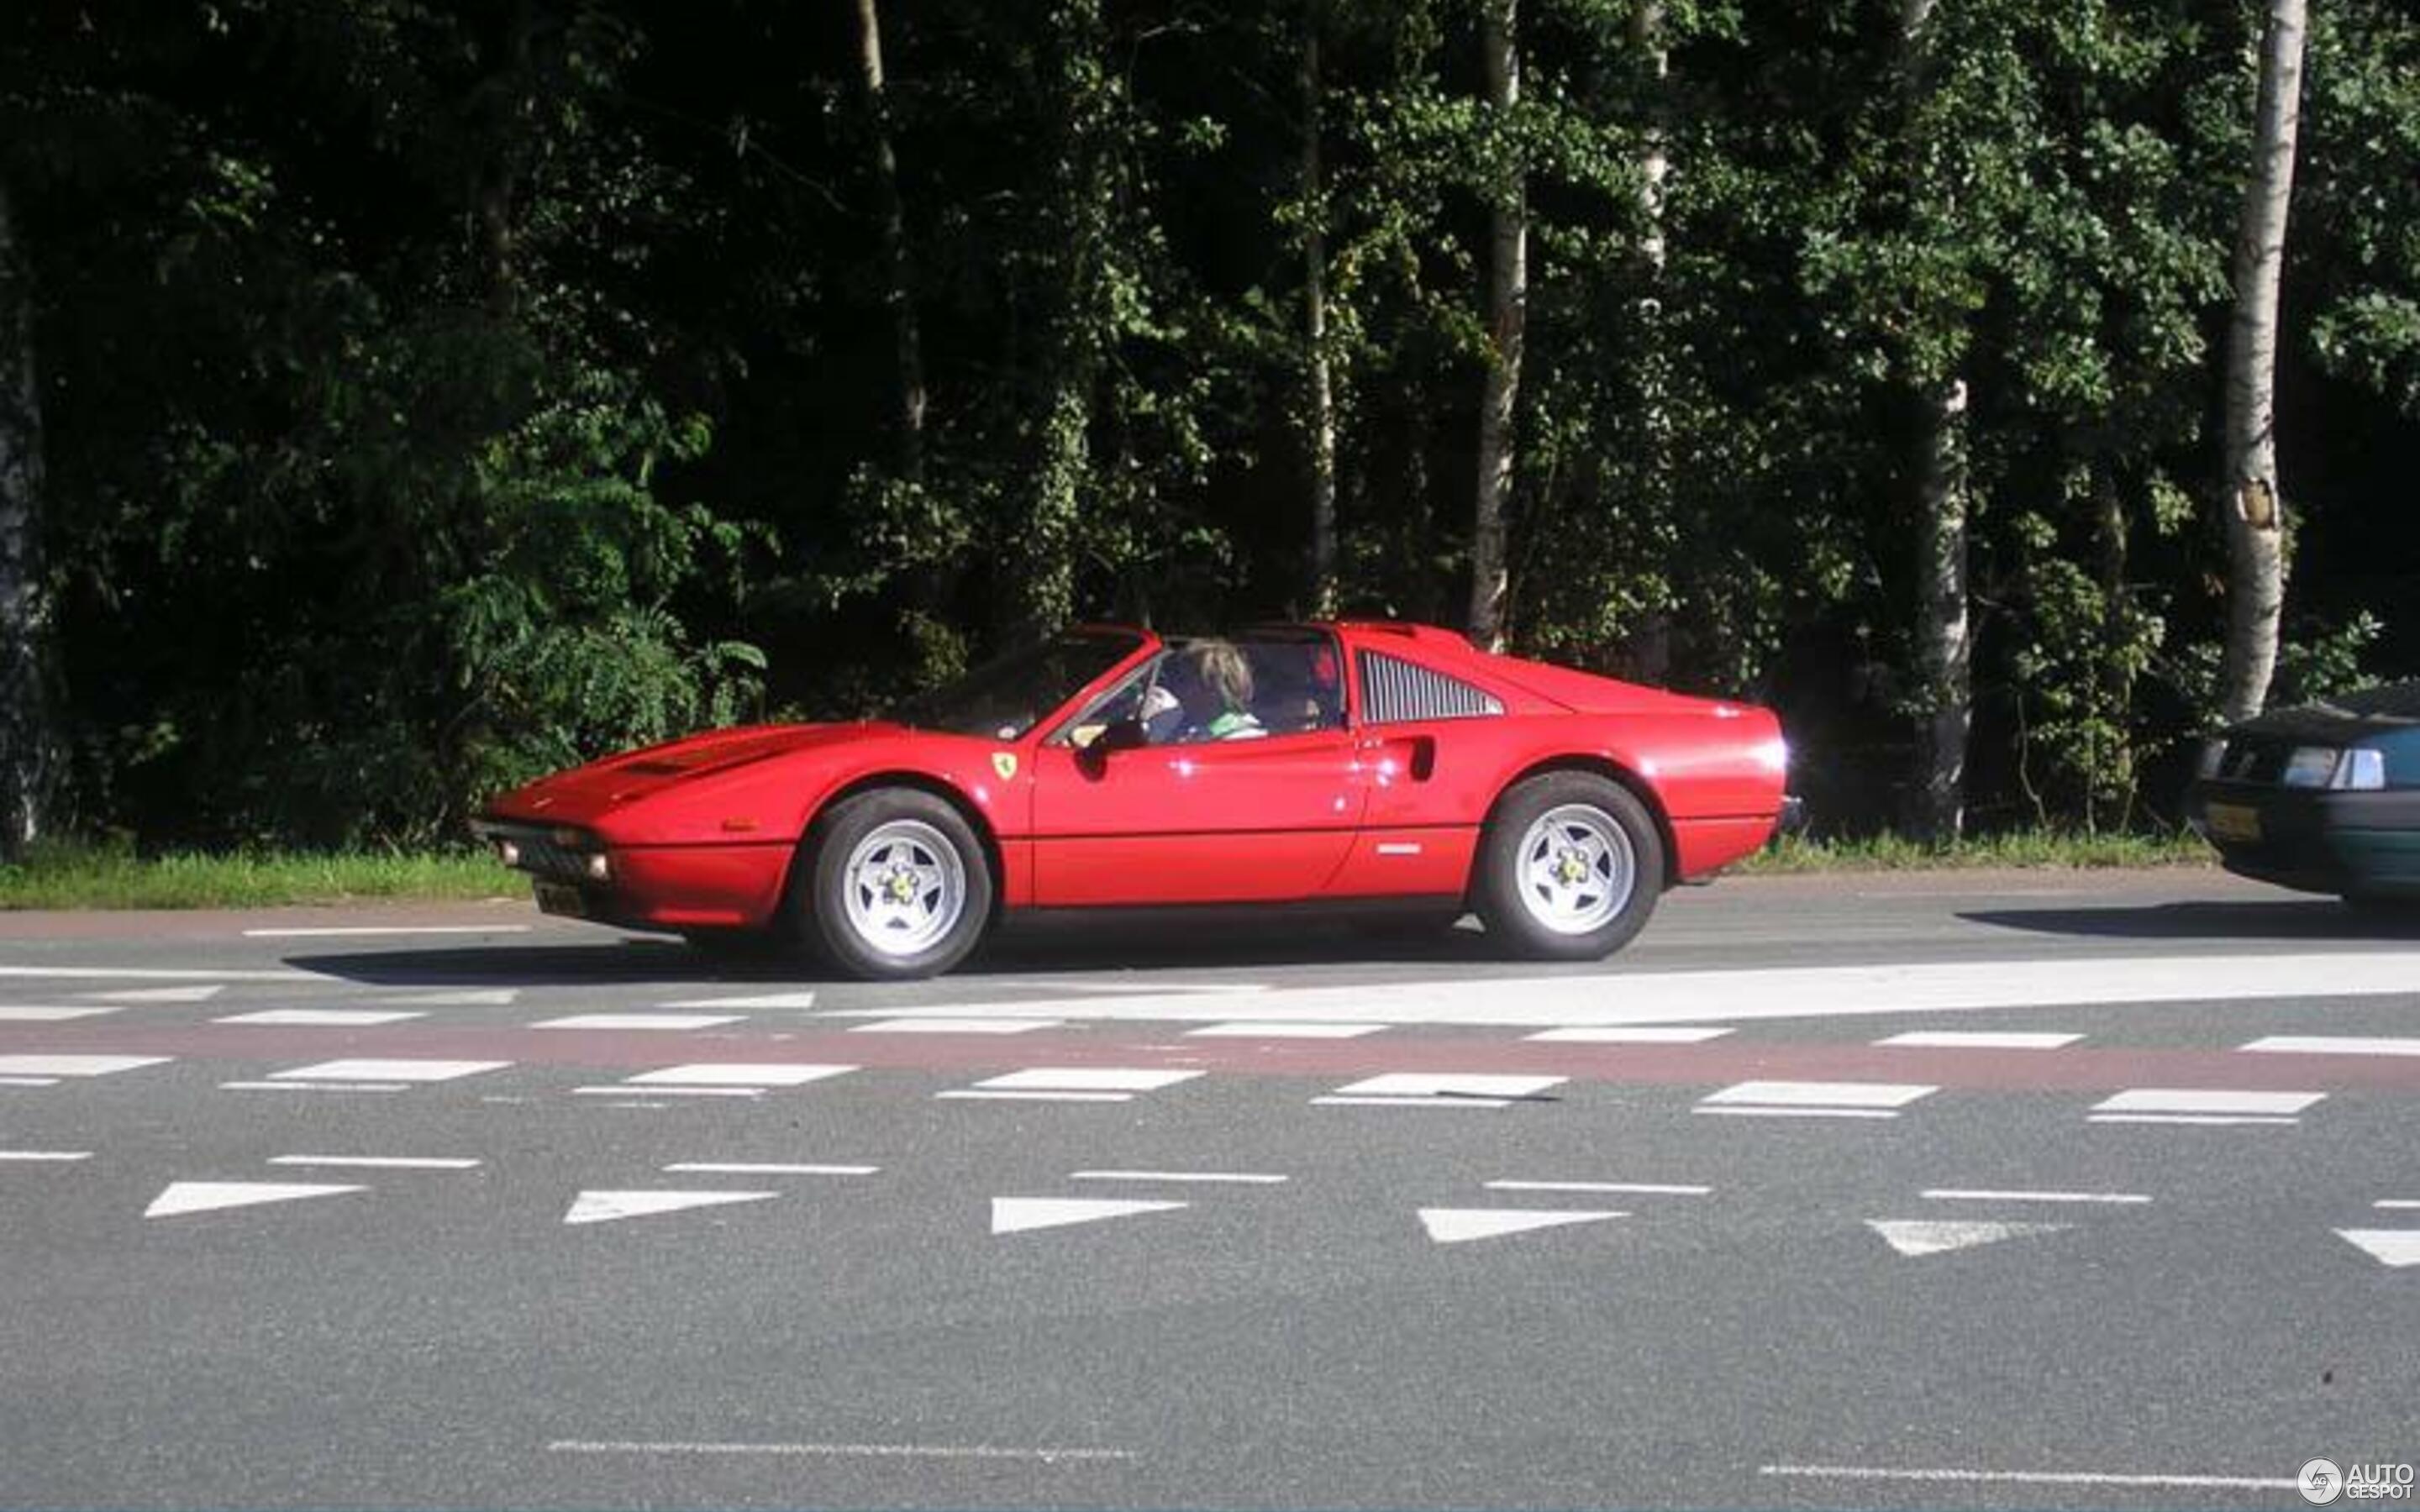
(1045, 1456)
(482, 997)
(382, 1163)
(718, 1073)
(1637, 1034)
(35, 1013)
(2203, 1121)
(1745, 1112)
(957, 1025)
(2396, 1204)
(730, 1167)
(1820, 1094)
(2333, 1045)
(761, 1000)
(313, 1086)
(2398, 1247)
(627, 1090)
(1916, 1238)
(965, 1094)
(1085, 1079)
(160, 995)
(1255, 1029)
(75, 1065)
(2207, 1100)
(1649, 1188)
(1980, 1039)
(152, 973)
(38, 1157)
(1448, 1087)
(1236, 1178)
(605, 1207)
(1018, 1216)
(1334, 1099)
(2030, 1477)
(388, 1071)
(1943, 1194)
(29, 1080)
(332, 931)
(1460, 1225)
(638, 1021)
(179, 1197)
(328, 1018)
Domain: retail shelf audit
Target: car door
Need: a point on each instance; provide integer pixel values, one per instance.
(1188, 818)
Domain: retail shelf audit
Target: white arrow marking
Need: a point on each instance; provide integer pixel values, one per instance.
(1017, 1215)
(605, 1207)
(206, 1196)
(2388, 1246)
(160, 995)
(768, 1001)
(1913, 1238)
(1457, 1226)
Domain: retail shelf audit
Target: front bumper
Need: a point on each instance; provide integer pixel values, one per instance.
(726, 885)
(2312, 839)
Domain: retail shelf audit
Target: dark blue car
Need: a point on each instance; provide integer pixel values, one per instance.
(2323, 798)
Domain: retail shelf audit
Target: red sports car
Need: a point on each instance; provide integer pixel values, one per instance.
(1346, 763)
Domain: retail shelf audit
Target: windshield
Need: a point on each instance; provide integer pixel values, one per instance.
(1002, 699)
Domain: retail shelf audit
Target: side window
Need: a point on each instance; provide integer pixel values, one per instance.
(1394, 691)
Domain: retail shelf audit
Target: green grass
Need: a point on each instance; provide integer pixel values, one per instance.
(2035, 848)
(67, 876)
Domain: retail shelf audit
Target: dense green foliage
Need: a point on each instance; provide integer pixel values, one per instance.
(437, 391)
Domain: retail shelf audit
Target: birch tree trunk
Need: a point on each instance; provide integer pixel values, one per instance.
(898, 297)
(2254, 504)
(1507, 298)
(1321, 421)
(1649, 649)
(25, 600)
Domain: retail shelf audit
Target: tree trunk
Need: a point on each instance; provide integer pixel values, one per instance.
(1648, 652)
(896, 294)
(506, 108)
(25, 742)
(1507, 298)
(1321, 421)
(2253, 504)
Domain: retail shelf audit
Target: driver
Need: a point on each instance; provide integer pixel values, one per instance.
(1220, 707)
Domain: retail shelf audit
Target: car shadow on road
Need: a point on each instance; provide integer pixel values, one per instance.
(2285, 919)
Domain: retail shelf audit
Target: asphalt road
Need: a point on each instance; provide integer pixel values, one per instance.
(475, 1209)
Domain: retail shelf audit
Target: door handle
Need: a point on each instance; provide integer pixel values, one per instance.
(1414, 756)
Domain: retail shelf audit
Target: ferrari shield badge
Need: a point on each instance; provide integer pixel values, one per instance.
(1004, 762)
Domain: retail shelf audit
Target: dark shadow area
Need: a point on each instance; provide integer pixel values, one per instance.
(2291, 919)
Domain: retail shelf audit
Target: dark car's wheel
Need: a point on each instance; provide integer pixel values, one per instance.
(897, 884)
(2386, 909)
(1569, 868)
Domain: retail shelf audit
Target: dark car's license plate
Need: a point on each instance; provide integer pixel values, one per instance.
(2232, 821)
(558, 898)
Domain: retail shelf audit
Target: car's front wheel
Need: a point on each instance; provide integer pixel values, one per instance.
(1570, 868)
(897, 884)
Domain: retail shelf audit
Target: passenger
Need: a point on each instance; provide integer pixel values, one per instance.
(1225, 679)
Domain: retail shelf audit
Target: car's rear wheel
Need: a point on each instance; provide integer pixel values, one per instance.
(897, 884)
(1569, 868)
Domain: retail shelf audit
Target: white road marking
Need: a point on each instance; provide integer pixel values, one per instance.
(2333, 1045)
(2397, 1247)
(956, 1027)
(1915, 1238)
(484, 997)
(2206, 1099)
(1653, 1188)
(1085, 1079)
(728, 1167)
(330, 1018)
(1339, 1100)
(845, 1451)
(179, 1197)
(969, 1094)
(2032, 1477)
(1980, 1039)
(29, 1080)
(1782, 1094)
(1618, 997)
(605, 1207)
(1301, 1030)
(382, 1163)
(2396, 1204)
(75, 1065)
(32, 1013)
(638, 1021)
(760, 1000)
(1447, 1086)
(627, 1090)
(1460, 1225)
(43, 1156)
(755, 1073)
(388, 1071)
(1730, 1111)
(162, 994)
(1018, 1216)
(365, 930)
(1985, 1194)
(313, 1086)
(154, 974)
(1238, 1178)
(1635, 1034)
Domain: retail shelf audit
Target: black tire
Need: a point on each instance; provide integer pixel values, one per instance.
(930, 830)
(2384, 908)
(1598, 806)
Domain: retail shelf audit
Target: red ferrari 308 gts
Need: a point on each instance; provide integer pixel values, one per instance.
(1347, 764)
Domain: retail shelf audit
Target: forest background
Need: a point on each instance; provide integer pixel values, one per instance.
(401, 397)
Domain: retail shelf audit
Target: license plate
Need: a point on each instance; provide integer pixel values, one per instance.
(2232, 821)
(558, 897)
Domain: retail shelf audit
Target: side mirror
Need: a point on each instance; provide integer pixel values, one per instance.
(1126, 734)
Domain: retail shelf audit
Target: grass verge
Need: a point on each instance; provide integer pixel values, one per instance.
(2035, 849)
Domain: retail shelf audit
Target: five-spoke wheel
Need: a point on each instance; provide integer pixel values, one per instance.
(1569, 868)
(897, 886)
